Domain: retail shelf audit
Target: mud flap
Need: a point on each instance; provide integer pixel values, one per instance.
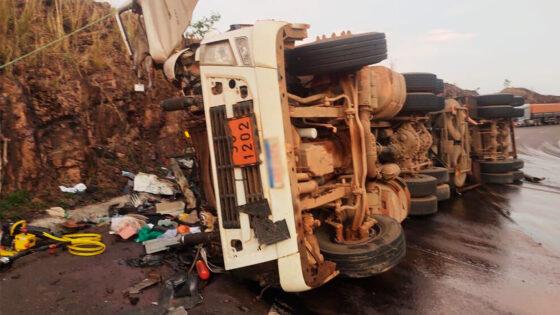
(266, 231)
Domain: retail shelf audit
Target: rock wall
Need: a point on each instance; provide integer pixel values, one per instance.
(69, 120)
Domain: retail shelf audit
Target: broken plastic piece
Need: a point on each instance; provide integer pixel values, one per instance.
(78, 188)
(152, 184)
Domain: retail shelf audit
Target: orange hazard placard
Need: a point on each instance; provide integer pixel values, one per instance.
(244, 149)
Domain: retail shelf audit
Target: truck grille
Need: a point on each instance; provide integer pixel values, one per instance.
(251, 174)
(224, 167)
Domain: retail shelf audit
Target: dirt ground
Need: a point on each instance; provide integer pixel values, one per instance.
(495, 250)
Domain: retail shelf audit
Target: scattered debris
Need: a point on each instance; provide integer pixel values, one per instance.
(173, 208)
(57, 212)
(183, 184)
(145, 261)
(160, 244)
(78, 188)
(144, 284)
(152, 184)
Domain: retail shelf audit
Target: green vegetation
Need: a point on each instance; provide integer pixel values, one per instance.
(199, 28)
(17, 204)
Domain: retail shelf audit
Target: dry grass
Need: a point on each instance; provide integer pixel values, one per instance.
(26, 25)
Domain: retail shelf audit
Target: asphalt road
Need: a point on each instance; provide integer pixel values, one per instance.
(494, 250)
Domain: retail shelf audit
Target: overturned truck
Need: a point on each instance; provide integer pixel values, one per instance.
(310, 156)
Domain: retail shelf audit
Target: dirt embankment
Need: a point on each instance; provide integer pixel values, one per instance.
(453, 91)
(532, 97)
(69, 112)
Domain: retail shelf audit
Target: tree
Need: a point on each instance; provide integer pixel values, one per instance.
(507, 83)
(199, 28)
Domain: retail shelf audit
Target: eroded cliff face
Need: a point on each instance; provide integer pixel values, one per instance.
(70, 120)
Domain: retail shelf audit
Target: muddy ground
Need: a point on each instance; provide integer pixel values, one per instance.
(495, 250)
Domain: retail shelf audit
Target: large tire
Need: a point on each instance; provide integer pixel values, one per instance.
(422, 103)
(500, 166)
(421, 185)
(518, 112)
(494, 99)
(423, 206)
(421, 82)
(440, 86)
(517, 164)
(342, 54)
(493, 112)
(379, 254)
(440, 173)
(518, 101)
(443, 192)
(497, 178)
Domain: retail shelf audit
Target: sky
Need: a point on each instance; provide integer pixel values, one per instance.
(475, 44)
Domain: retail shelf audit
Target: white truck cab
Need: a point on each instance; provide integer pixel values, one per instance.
(294, 161)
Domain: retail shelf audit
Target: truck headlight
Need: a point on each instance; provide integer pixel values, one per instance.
(244, 50)
(218, 53)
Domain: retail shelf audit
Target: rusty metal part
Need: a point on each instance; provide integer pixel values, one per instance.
(390, 198)
(317, 98)
(307, 187)
(383, 90)
(311, 242)
(314, 274)
(358, 156)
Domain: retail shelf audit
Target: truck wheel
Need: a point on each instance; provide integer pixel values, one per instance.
(443, 192)
(497, 178)
(492, 112)
(440, 86)
(421, 82)
(494, 99)
(340, 54)
(440, 173)
(518, 176)
(500, 166)
(518, 112)
(381, 253)
(517, 164)
(518, 101)
(423, 206)
(422, 103)
(421, 185)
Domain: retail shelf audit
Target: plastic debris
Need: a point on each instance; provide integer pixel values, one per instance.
(152, 184)
(128, 174)
(188, 218)
(126, 226)
(146, 233)
(78, 188)
(169, 233)
(160, 244)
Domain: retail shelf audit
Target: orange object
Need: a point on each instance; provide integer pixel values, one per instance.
(244, 150)
(183, 229)
(202, 269)
(545, 108)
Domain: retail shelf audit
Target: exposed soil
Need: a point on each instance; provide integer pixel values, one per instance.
(70, 120)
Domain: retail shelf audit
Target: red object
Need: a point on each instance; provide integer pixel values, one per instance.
(202, 269)
(183, 229)
(244, 151)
